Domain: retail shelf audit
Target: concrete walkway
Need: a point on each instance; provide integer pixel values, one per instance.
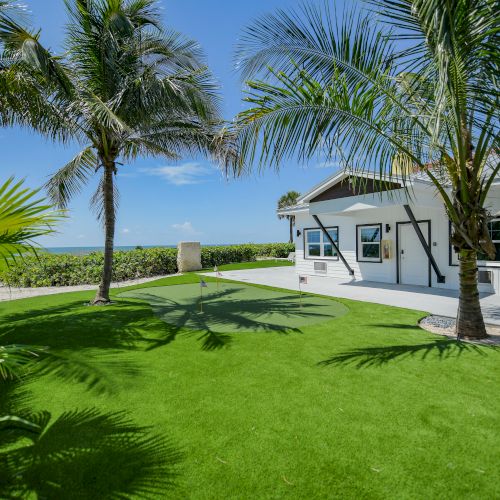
(432, 300)
(13, 293)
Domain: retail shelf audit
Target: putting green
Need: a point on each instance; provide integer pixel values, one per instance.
(236, 308)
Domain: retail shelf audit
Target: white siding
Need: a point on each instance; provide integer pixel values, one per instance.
(386, 271)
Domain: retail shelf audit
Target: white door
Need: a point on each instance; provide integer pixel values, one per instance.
(413, 261)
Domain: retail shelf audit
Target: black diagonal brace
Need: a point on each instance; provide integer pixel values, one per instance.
(330, 239)
(425, 245)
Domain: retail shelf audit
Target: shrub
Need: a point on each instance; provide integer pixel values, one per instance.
(65, 269)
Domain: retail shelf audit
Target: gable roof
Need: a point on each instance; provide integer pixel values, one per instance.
(371, 179)
(320, 191)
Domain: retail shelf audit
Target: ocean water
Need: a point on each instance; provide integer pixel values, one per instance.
(87, 250)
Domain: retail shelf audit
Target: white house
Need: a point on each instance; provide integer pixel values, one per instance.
(387, 234)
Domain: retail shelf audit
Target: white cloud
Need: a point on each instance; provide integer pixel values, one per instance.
(125, 230)
(328, 164)
(186, 228)
(81, 236)
(181, 175)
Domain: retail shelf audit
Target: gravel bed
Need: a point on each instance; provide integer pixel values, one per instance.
(443, 325)
(438, 322)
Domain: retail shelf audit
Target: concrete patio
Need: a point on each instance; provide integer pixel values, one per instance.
(432, 300)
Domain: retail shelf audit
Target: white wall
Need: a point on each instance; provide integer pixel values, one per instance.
(386, 271)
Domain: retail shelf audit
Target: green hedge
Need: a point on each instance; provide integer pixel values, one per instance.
(65, 269)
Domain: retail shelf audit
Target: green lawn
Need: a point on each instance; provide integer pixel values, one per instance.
(254, 265)
(359, 405)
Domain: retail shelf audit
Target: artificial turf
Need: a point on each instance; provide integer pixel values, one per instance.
(255, 264)
(364, 405)
(235, 308)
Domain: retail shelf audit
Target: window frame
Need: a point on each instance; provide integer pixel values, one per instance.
(321, 243)
(359, 243)
(454, 259)
(483, 262)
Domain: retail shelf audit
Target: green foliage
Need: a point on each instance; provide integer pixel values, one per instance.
(63, 270)
(289, 199)
(14, 357)
(23, 217)
(366, 405)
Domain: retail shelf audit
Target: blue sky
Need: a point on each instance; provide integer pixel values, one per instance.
(164, 202)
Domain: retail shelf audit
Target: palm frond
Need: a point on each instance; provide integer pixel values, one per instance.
(70, 179)
(15, 358)
(23, 217)
(313, 39)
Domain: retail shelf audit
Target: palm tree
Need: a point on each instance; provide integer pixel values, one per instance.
(23, 91)
(342, 87)
(125, 88)
(23, 217)
(288, 200)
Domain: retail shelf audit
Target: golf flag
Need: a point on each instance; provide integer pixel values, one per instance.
(303, 280)
(203, 284)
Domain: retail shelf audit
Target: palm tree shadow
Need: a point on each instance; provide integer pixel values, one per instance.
(120, 326)
(379, 356)
(220, 319)
(87, 455)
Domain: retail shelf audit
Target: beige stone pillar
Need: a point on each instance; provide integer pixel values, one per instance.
(189, 256)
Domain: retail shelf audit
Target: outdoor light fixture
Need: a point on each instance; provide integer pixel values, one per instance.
(387, 228)
(298, 233)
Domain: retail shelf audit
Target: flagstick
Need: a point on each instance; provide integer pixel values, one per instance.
(216, 271)
(300, 295)
(201, 299)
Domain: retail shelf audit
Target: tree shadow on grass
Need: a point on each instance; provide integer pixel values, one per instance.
(81, 344)
(88, 455)
(222, 318)
(128, 324)
(242, 314)
(397, 326)
(379, 356)
(74, 329)
(74, 325)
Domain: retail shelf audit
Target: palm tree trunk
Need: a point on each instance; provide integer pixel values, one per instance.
(291, 229)
(470, 322)
(102, 296)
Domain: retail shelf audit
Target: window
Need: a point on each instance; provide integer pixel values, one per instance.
(317, 245)
(369, 239)
(494, 230)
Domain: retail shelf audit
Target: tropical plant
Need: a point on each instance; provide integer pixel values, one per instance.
(23, 217)
(412, 82)
(22, 90)
(126, 88)
(286, 201)
(48, 269)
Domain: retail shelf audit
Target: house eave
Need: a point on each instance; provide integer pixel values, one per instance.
(297, 209)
